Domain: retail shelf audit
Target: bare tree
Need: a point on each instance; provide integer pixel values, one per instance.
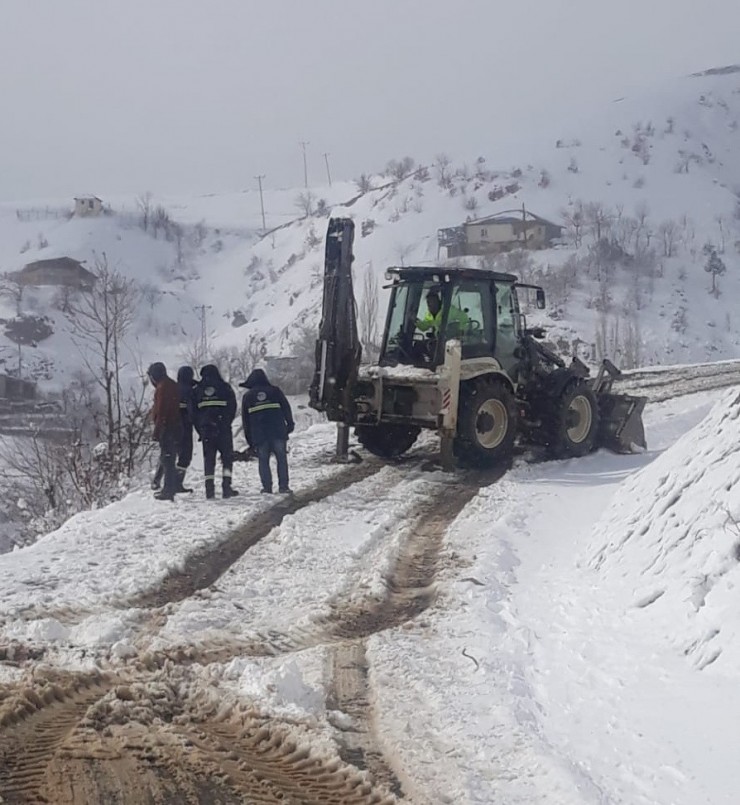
(598, 218)
(305, 201)
(14, 290)
(721, 226)
(35, 472)
(160, 220)
(643, 231)
(400, 168)
(178, 235)
(574, 218)
(196, 354)
(235, 363)
(714, 266)
(100, 321)
(144, 203)
(688, 233)
(442, 166)
(364, 185)
(470, 203)
(668, 232)
(368, 312)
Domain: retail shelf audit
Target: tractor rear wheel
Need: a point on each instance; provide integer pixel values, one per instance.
(387, 440)
(574, 422)
(487, 423)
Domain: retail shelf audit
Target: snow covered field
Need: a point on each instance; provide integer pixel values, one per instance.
(581, 645)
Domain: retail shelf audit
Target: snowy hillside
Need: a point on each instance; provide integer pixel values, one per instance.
(655, 178)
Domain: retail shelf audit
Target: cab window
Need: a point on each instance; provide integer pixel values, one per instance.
(470, 317)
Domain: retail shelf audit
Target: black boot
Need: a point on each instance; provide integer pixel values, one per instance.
(228, 492)
(210, 490)
(178, 484)
(163, 495)
(157, 479)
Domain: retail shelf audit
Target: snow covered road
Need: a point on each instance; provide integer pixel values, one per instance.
(409, 635)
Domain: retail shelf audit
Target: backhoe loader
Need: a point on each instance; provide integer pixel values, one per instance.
(458, 357)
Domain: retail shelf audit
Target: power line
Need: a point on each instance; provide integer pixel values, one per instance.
(328, 172)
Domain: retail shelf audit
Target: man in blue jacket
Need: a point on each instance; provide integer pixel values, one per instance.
(268, 421)
(214, 405)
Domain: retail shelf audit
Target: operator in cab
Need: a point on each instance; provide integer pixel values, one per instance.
(457, 320)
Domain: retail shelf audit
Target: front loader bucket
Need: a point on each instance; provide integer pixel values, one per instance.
(621, 428)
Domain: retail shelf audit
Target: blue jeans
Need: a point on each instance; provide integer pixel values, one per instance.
(278, 448)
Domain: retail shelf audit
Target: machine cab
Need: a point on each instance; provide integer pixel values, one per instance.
(430, 306)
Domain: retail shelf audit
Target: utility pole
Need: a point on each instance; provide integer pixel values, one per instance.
(328, 173)
(203, 330)
(303, 144)
(262, 203)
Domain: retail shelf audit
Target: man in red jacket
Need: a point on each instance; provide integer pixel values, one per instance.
(167, 425)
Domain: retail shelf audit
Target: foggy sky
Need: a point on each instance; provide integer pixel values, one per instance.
(110, 96)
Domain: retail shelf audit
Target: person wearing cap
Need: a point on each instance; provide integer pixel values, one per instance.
(185, 382)
(457, 319)
(167, 432)
(214, 405)
(268, 421)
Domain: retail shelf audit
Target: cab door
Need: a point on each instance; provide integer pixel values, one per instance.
(507, 325)
(471, 318)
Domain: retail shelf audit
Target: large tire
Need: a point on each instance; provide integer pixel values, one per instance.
(387, 440)
(573, 422)
(487, 423)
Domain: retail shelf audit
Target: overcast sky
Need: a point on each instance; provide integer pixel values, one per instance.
(174, 96)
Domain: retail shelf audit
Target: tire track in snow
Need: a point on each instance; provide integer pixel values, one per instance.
(409, 591)
(34, 724)
(204, 568)
(90, 738)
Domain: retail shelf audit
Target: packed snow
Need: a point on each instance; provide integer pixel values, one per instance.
(581, 648)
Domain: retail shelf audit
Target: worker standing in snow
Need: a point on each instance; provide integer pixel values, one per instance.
(214, 404)
(268, 421)
(185, 382)
(167, 425)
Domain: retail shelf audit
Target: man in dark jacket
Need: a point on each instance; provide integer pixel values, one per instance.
(267, 421)
(185, 382)
(167, 425)
(214, 404)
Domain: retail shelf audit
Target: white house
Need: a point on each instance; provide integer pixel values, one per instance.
(511, 229)
(88, 206)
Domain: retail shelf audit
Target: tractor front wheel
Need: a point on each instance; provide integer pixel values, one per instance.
(487, 423)
(386, 440)
(574, 422)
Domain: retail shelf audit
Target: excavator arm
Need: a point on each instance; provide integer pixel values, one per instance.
(338, 348)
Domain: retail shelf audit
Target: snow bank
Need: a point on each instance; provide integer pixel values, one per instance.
(670, 540)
